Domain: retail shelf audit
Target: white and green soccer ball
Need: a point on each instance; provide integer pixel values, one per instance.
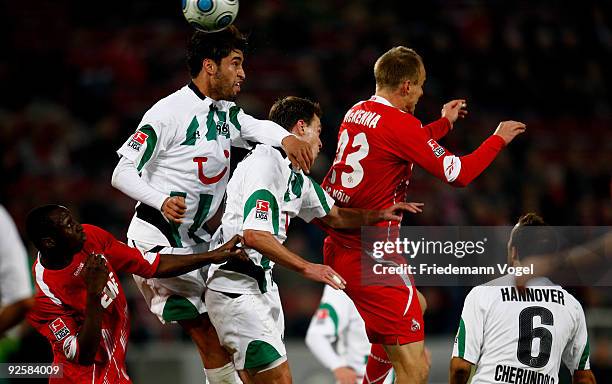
(210, 15)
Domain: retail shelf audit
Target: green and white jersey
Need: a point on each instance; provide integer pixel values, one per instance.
(521, 337)
(182, 148)
(337, 323)
(263, 194)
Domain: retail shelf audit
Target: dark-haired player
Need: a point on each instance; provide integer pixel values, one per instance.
(79, 304)
(176, 166)
(379, 141)
(263, 196)
(521, 336)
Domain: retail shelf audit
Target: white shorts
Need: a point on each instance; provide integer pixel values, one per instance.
(174, 298)
(250, 326)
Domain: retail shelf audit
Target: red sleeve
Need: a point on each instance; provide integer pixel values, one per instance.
(438, 129)
(58, 326)
(122, 257)
(411, 143)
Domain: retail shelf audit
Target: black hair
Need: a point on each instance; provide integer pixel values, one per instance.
(533, 236)
(39, 223)
(214, 46)
(288, 110)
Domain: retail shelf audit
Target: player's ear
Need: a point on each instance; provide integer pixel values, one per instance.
(303, 126)
(209, 66)
(405, 87)
(299, 128)
(513, 254)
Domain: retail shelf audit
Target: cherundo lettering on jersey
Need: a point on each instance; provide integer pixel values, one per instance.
(436, 148)
(59, 329)
(138, 140)
(262, 208)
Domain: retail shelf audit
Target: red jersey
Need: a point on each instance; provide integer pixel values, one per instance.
(378, 145)
(61, 298)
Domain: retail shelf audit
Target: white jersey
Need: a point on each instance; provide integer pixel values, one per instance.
(15, 284)
(263, 194)
(339, 323)
(521, 337)
(182, 148)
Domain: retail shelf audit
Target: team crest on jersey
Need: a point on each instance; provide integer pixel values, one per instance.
(223, 129)
(138, 140)
(415, 327)
(262, 208)
(59, 329)
(436, 148)
(322, 314)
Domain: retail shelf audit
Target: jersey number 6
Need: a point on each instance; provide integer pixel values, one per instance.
(527, 333)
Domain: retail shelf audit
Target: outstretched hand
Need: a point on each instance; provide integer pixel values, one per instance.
(394, 212)
(510, 129)
(454, 110)
(299, 153)
(324, 274)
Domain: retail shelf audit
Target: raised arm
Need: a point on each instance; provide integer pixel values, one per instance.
(455, 170)
(355, 217)
(451, 111)
(268, 132)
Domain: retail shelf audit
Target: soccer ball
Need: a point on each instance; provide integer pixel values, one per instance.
(210, 15)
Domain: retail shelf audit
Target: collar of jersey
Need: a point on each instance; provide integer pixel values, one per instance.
(287, 161)
(381, 100)
(195, 90)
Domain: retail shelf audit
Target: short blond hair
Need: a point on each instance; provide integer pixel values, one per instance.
(396, 66)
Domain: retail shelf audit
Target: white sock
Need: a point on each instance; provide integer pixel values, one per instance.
(225, 375)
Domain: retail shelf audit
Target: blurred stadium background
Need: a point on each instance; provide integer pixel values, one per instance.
(77, 76)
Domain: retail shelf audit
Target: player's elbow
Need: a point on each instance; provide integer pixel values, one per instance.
(310, 340)
(253, 238)
(583, 377)
(460, 182)
(459, 371)
(122, 173)
(333, 219)
(116, 178)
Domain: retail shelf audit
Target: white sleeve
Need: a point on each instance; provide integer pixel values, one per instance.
(155, 133)
(329, 321)
(15, 283)
(468, 342)
(316, 202)
(127, 180)
(261, 191)
(576, 352)
(260, 131)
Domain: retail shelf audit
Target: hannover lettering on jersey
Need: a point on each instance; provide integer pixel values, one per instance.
(548, 295)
